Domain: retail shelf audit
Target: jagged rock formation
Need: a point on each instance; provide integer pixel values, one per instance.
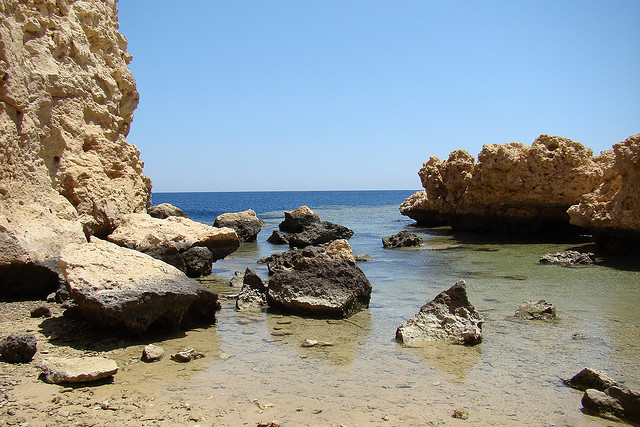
(612, 210)
(66, 103)
(512, 186)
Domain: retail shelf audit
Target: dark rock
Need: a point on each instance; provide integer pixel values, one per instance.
(292, 257)
(599, 403)
(253, 293)
(41, 311)
(363, 258)
(448, 317)
(167, 253)
(30, 280)
(18, 348)
(318, 233)
(403, 239)
(152, 353)
(246, 224)
(198, 261)
(278, 238)
(628, 399)
(540, 310)
(295, 221)
(329, 284)
(568, 258)
(591, 378)
(187, 355)
(165, 210)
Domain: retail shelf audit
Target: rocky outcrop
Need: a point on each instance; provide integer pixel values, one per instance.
(540, 310)
(295, 221)
(122, 288)
(568, 258)
(168, 239)
(512, 187)
(448, 317)
(403, 239)
(329, 284)
(423, 210)
(66, 104)
(246, 224)
(165, 210)
(612, 210)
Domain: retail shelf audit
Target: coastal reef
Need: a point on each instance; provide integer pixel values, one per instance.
(512, 187)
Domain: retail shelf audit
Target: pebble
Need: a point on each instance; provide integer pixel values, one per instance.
(460, 414)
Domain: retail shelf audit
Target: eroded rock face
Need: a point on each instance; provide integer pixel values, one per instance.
(329, 284)
(512, 186)
(66, 103)
(122, 288)
(448, 317)
(613, 208)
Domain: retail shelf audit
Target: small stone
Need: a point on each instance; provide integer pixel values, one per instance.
(187, 355)
(152, 353)
(41, 311)
(18, 348)
(460, 414)
(540, 310)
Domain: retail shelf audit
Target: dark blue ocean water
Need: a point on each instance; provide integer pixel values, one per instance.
(205, 207)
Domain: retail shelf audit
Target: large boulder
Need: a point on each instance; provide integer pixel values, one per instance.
(612, 209)
(246, 224)
(66, 104)
(165, 210)
(329, 284)
(167, 239)
(422, 210)
(512, 187)
(317, 233)
(122, 288)
(295, 221)
(198, 261)
(448, 317)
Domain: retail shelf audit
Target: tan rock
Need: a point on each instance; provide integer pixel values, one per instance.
(246, 224)
(59, 370)
(511, 184)
(613, 208)
(145, 233)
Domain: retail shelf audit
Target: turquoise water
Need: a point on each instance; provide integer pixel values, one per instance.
(513, 377)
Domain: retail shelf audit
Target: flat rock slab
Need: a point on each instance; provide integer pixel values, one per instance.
(119, 287)
(58, 370)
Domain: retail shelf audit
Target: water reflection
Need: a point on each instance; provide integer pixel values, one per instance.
(345, 336)
(455, 360)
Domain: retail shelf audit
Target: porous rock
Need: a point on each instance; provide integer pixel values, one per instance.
(278, 238)
(612, 209)
(246, 224)
(317, 233)
(403, 239)
(329, 284)
(165, 210)
(66, 104)
(448, 317)
(198, 261)
(167, 239)
(512, 187)
(568, 258)
(58, 370)
(253, 293)
(119, 287)
(539, 310)
(295, 221)
(18, 348)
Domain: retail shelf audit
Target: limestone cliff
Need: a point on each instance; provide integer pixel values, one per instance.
(66, 103)
(511, 187)
(612, 210)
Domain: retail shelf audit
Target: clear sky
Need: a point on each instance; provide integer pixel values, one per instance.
(356, 94)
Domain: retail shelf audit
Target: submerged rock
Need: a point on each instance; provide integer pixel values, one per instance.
(568, 258)
(403, 239)
(119, 287)
(58, 370)
(327, 284)
(540, 310)
(165, 210)
(246, 224)
(448, 317)
(18, 348)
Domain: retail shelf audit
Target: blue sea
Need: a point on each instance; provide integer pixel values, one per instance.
(514, 377)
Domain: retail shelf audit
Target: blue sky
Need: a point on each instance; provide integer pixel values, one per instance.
(357, 94)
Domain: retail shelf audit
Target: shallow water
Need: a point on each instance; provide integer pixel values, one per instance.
(514, 376)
